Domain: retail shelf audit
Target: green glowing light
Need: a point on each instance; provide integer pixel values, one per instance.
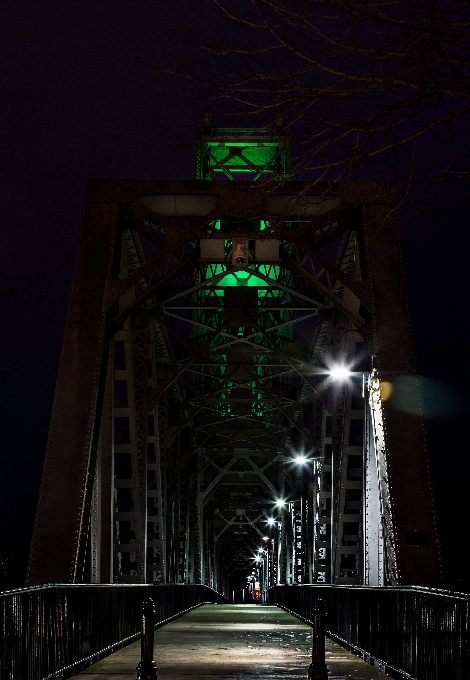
(242, 145)
(242, 156)
(248, 278)
(243, 150)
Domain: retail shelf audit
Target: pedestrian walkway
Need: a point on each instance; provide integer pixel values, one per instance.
(233, 642)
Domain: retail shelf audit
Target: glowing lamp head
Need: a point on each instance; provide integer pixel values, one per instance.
(265, 538)
(300, 460)
(339, 373)
(271, 521)
(280, 503)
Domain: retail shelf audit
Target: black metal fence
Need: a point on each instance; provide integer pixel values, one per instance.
(408, 632)
(54, 631)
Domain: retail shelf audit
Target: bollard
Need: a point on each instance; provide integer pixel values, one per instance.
(317, 669)
(147, 668)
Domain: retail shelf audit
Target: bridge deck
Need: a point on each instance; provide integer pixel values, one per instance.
(232, 642)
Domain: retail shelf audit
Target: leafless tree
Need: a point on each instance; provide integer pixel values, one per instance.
(378, 87)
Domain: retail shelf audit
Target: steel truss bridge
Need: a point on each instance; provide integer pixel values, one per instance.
(205, 319)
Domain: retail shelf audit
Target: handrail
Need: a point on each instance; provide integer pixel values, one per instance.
(410, 633)
(56, 630)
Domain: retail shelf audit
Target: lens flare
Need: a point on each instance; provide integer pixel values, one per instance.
(386, 389)
(339, 373)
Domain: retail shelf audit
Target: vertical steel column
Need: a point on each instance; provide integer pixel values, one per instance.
(103, 496)
(373, 520)
(411, 492)
(337, 453)
(282, 547)
(62, 520)
(141, 364)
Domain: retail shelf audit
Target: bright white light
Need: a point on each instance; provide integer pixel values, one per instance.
(339, 373)
(260, 550)
(280, 503)
(271, 521)
(300, 460)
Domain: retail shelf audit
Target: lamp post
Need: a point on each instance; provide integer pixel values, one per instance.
(261, 574)
(257, 579)
(270, 543)
(262, 560)
(306, 516)
(269, 566)
(279, 524)
(275, 531)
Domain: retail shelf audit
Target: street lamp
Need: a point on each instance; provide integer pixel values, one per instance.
(339, 372)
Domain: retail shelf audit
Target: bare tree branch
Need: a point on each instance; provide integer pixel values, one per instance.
(380, 86)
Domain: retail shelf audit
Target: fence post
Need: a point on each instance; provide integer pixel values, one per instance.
(317, 669)
(147, 668)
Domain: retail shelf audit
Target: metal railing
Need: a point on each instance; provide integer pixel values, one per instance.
(407, 632)
(54, 631)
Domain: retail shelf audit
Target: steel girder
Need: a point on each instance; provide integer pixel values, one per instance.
(187, 381)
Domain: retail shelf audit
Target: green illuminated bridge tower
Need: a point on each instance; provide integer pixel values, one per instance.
(225, 405)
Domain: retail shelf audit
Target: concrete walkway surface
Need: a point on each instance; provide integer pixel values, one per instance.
(233, 642)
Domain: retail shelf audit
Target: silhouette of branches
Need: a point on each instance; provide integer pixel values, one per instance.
(365, 84)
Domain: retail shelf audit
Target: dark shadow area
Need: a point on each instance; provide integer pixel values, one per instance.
(238, 591)
(14, 547)
(13, 563)
(452, 504)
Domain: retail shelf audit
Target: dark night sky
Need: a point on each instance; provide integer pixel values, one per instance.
(79, 101)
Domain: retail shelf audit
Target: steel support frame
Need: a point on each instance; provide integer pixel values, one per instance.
(70, 485)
